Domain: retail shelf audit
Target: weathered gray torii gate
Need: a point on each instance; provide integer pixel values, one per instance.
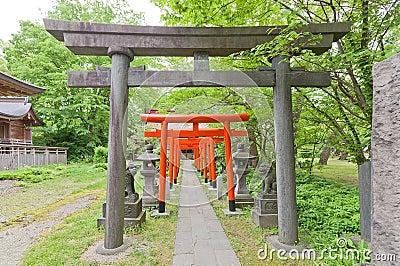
(122, 42)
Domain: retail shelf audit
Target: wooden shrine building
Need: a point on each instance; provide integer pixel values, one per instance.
(17, 117)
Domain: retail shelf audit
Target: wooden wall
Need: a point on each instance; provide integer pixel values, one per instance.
(15, 131)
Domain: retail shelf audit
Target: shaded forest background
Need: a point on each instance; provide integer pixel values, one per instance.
(334, 119)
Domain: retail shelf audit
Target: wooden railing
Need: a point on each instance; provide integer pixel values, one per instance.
(11, 141)
(17, 156)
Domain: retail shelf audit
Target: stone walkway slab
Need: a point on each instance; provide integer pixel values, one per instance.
(200, 239)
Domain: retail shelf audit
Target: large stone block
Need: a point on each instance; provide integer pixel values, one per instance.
(265, 212)
(386, 157)
(264, 220)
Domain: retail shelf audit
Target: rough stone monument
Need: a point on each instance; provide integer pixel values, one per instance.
(265, 212)
(133, 212)
(149, 171)
(241, 159)
(386, 159)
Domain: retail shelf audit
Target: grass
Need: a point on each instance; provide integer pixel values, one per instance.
(340, 170)
(65, 243)
(33, 174)
(327, 205)
(66, 180)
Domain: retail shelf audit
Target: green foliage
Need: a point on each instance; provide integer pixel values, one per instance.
(345, 108)
(327, 209)
(32, 174)
(103, 166)
(114, 11)
(75, 118)
(100, 155)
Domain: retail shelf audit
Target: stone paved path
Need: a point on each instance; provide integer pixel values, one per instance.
(200, 239)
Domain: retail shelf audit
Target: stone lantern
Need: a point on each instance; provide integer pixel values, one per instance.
(149, 171)
(240, 168)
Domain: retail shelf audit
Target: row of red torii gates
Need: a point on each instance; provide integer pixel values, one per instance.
(201, 141)
(122, 42)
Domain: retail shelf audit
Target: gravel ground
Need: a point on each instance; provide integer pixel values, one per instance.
(7, 187)
(16, 240)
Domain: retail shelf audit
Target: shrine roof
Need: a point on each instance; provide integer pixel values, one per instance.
(18, 108)
(10, 86)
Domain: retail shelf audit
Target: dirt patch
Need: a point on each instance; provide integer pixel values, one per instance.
(7, 187)
(16, 240)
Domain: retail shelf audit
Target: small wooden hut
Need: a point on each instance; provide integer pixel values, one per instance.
(17, 118)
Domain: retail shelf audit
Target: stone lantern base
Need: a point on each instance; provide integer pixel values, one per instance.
(243, 200)
(133, 214)
(150, 202)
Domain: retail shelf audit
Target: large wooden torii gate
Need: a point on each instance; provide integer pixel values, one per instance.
(122, 42)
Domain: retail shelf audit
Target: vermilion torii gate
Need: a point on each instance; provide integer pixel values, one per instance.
(122, 42)
(164, 134)
(194, 140)
(164, 120)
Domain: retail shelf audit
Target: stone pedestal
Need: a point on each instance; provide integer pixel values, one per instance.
(265, 212)
(133, 213)
(150, 174)
(241, 159)
(150, 195)
(242, 195)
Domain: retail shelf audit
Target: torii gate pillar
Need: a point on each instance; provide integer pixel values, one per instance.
(114, 224)
(284, 153)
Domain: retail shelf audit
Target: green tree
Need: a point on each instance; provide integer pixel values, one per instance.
(75, 118)
(345, 108)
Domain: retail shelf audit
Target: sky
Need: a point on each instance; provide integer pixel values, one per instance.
(15, 10)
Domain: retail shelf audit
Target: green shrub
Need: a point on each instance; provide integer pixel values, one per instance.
(100, 155)
(102, 166)
(29, 175)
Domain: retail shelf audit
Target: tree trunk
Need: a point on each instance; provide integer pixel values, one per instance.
(326, 152)
(343, 156)
(253, 151)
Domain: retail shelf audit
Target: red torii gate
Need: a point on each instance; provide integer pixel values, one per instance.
(224, 119)
(196, 144)
(195, 140)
